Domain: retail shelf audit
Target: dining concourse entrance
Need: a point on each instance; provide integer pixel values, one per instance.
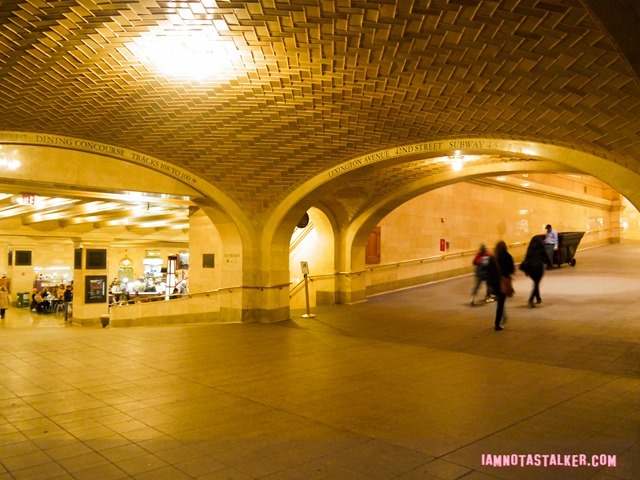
(90, 221)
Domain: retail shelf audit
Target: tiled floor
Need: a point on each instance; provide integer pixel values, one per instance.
(411, 385)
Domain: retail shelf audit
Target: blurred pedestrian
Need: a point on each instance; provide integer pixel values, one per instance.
(481, 263)
(68, 299)
(5, 301)
(533, 267)
(501, 267)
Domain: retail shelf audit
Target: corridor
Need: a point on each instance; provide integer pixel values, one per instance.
(410, 385)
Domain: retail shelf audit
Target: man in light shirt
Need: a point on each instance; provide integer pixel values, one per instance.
(550, 245)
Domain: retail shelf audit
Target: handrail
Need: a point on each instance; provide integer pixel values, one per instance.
(301, 236)
(397, 264)
(431, 258)
(300, 282)
(423, 259)
(208, 293)
(316, 277)
(247, 287)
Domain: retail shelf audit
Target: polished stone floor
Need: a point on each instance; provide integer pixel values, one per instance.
(410, 385)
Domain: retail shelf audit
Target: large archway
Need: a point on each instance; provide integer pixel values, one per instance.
(480, 157)
(99, 176)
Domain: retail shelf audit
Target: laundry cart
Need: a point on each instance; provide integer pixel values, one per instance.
(567, 245)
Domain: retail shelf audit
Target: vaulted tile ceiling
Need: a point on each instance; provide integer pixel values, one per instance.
(312, 83)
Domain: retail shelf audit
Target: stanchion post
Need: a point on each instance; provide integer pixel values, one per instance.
(305, 270)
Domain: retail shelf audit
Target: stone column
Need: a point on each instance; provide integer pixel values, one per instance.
(614, 219)
(6, 271)
(215, 268)
(89, 282)
(351, 278)
(270, 273)
(22, 276)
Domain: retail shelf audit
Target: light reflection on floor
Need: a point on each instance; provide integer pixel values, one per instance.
(22, 317)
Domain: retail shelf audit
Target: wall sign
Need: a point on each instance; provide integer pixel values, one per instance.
(208, 260)
(96, 259)
(22, 258)
(95, 289)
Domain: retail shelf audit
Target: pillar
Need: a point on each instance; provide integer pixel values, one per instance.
(614, 218)
(352, 276)
(91, 284)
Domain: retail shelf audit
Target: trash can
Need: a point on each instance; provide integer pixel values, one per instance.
(23, 299)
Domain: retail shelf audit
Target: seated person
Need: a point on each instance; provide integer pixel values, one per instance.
(34, 304)
(60, 292)
(41, 305)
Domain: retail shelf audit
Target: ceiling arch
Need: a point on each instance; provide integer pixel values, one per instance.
(317, 83)
(370, 185)
(80, 187)
(88, 150)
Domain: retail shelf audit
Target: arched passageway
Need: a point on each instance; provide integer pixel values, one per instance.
(253, 252)
(428, 167)
(313, 244)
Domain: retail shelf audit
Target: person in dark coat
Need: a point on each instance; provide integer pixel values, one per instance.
(68, 299)
(481, 264)
(533, 267)
(501, 265)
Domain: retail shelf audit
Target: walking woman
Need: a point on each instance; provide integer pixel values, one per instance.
(533, 267)
(501, 265)
(5, 301)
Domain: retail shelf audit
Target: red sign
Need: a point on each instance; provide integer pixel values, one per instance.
(28, 199)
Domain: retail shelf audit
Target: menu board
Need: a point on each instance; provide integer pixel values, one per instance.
(95, 289)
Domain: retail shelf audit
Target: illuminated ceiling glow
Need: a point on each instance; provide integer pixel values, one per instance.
(187, 54)
(143, 211)
(456, 161)
(8, 163)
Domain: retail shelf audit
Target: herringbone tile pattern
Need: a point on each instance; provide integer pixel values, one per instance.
(318, 82)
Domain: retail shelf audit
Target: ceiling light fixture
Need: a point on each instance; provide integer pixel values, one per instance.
(186, 54)
(457, 162)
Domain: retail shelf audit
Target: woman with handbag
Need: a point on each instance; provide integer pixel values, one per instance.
(501, 269)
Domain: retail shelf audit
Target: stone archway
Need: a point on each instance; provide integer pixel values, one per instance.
(517, 156)
(66, 163)
(313, 244)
